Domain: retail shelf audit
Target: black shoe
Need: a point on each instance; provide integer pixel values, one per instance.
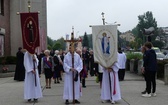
(84, 86)
(35, 100)
(77, 102)
(66, 102)
(29, 100)
(58, 82)
(144, 92)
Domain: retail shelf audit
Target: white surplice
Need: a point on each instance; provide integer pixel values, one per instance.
(105, 91)
(68, 84)
(30, 90)
(122, 60)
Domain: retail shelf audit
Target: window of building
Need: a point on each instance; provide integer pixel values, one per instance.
(1, 7)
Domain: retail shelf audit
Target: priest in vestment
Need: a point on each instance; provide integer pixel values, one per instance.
(68, 83)
(30, 90)
(113, 94)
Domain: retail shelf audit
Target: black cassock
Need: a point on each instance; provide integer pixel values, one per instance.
(91, 62)
(20, 70)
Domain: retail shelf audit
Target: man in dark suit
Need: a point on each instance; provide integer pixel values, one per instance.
(40, 56)
(91, 63)
(85, 57)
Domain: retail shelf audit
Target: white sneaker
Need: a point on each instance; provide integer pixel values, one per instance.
(153, 94)
(103, 101)
(146, 95)
(112, 102)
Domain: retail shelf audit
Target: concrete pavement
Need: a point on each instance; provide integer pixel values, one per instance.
(11, 92)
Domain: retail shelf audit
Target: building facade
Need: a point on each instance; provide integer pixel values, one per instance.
(4, 28)
(128, 36)
(11, 35)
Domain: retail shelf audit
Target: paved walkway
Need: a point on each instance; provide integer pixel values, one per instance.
(11, 93)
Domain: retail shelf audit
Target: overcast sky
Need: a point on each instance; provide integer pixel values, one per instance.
(63, 14)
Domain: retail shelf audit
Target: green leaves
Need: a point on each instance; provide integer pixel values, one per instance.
(145, 21)
(133, 55)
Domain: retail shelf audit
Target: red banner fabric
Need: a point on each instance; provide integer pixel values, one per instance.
(30, 31)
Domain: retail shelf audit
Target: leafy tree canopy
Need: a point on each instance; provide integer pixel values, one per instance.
(145, 21)
(85, 41)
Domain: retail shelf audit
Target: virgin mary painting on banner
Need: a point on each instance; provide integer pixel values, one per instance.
(105, 41)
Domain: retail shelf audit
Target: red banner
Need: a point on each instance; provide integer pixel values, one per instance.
(30, 31)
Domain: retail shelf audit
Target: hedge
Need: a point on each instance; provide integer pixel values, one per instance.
(8, 60)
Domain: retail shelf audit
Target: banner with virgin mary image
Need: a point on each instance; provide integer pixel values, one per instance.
(105, 44)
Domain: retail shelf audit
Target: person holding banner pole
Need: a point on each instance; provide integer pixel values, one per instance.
(31, 40)
(110, 88)
(32, 87)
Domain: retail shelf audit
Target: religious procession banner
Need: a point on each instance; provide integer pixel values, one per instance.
(30, 31)
(105, 44)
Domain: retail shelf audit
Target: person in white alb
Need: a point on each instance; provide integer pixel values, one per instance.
(110, 90)
(68, 77)
(121, 63)
(32, 87)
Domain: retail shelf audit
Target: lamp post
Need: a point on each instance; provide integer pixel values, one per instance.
(103, 18)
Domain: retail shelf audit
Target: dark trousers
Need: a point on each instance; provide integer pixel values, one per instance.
(92, 72)
(145, 80)
(83, 82)
(151, 81)
(121, 74)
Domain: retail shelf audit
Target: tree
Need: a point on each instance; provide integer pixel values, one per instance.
(50, 42)
(57, 46)
(85, 41)
(157, 43)
(145, 21)
(135, 31)
(120, 40)
(139, 42)
(133, 45)
(49, 47)
(62, 43)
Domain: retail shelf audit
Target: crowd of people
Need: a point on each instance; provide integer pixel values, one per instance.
(77, 66)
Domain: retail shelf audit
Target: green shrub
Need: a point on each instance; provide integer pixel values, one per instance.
(8, 60)
(134, 56)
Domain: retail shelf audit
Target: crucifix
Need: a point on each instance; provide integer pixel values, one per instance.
(72, 47)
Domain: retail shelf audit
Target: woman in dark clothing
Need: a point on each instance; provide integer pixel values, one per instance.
(57, 62)
(61, 64)
(47, 65)
(20, 70)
